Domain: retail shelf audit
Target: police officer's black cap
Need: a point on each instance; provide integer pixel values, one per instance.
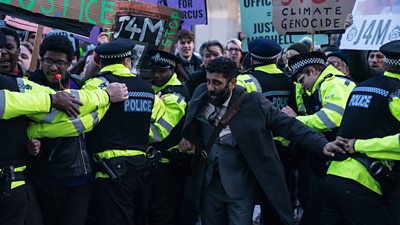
(391, 51)
(264, 49)
(298, 62)
(2, 40)
(116, 49)
(340, 54)
(162, 59)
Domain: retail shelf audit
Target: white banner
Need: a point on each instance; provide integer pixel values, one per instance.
(375, 22)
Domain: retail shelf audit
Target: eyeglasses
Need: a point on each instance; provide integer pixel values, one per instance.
(334, 63)
(301, 79)
(233, 50)
(50, 62)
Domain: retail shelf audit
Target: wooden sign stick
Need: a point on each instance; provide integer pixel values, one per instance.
(35, 53)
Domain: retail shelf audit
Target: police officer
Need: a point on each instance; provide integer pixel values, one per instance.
(267, 78)
(120, 140)
(328, 90)
(168, 183)
(365, 188)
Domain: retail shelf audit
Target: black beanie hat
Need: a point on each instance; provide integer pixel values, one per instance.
(300, 48)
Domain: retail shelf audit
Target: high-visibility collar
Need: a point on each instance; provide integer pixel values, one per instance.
(172, 81)
(270, 68)
(118, 70)
(328, 70)
(392, 75)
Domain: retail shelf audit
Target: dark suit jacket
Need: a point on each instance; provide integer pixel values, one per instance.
(251, 128)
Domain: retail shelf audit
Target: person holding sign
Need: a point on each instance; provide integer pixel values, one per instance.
(364, 188)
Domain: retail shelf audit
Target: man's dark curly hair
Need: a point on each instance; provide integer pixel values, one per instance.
(223, 65)
(13, 33)
(57, 43)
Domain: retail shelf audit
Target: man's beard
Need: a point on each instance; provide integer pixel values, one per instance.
(220, 96)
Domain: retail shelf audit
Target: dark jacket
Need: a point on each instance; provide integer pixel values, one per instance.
(359, 68)
(195, 79)
(192, 66)
(251, 129)
(60, 157)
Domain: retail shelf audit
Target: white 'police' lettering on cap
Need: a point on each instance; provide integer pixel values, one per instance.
(157, 58)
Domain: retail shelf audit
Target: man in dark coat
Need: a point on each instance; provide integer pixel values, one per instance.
(244, 156)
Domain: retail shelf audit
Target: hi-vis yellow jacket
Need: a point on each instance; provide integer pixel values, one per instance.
(34, 101)
(384, 148)
(334, 92)
(175, 105)
(86, 121)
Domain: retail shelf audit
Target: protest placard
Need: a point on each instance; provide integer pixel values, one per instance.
(256, 22)
(374, 24)
(310, 16)
(194, 11)
(77, 16)
(24, 25)
(151, 26)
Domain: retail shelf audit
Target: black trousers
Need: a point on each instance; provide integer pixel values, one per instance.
(13, 206)
(63, 205)
(312, 209)
(166, 199)
(121, 201)
(347, 202)
(391, 196)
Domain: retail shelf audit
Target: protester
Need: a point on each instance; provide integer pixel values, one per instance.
(10, 53)
(208, 51)
(242, 156)
(234, 51)
(185, 46)
(62, 173)
(25, 55)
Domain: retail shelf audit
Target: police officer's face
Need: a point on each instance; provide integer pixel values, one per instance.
(9, 56)
(161, 76)
(307, 78)
(219, 89)
(54, 63)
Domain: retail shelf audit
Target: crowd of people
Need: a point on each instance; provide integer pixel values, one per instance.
(198, 138)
